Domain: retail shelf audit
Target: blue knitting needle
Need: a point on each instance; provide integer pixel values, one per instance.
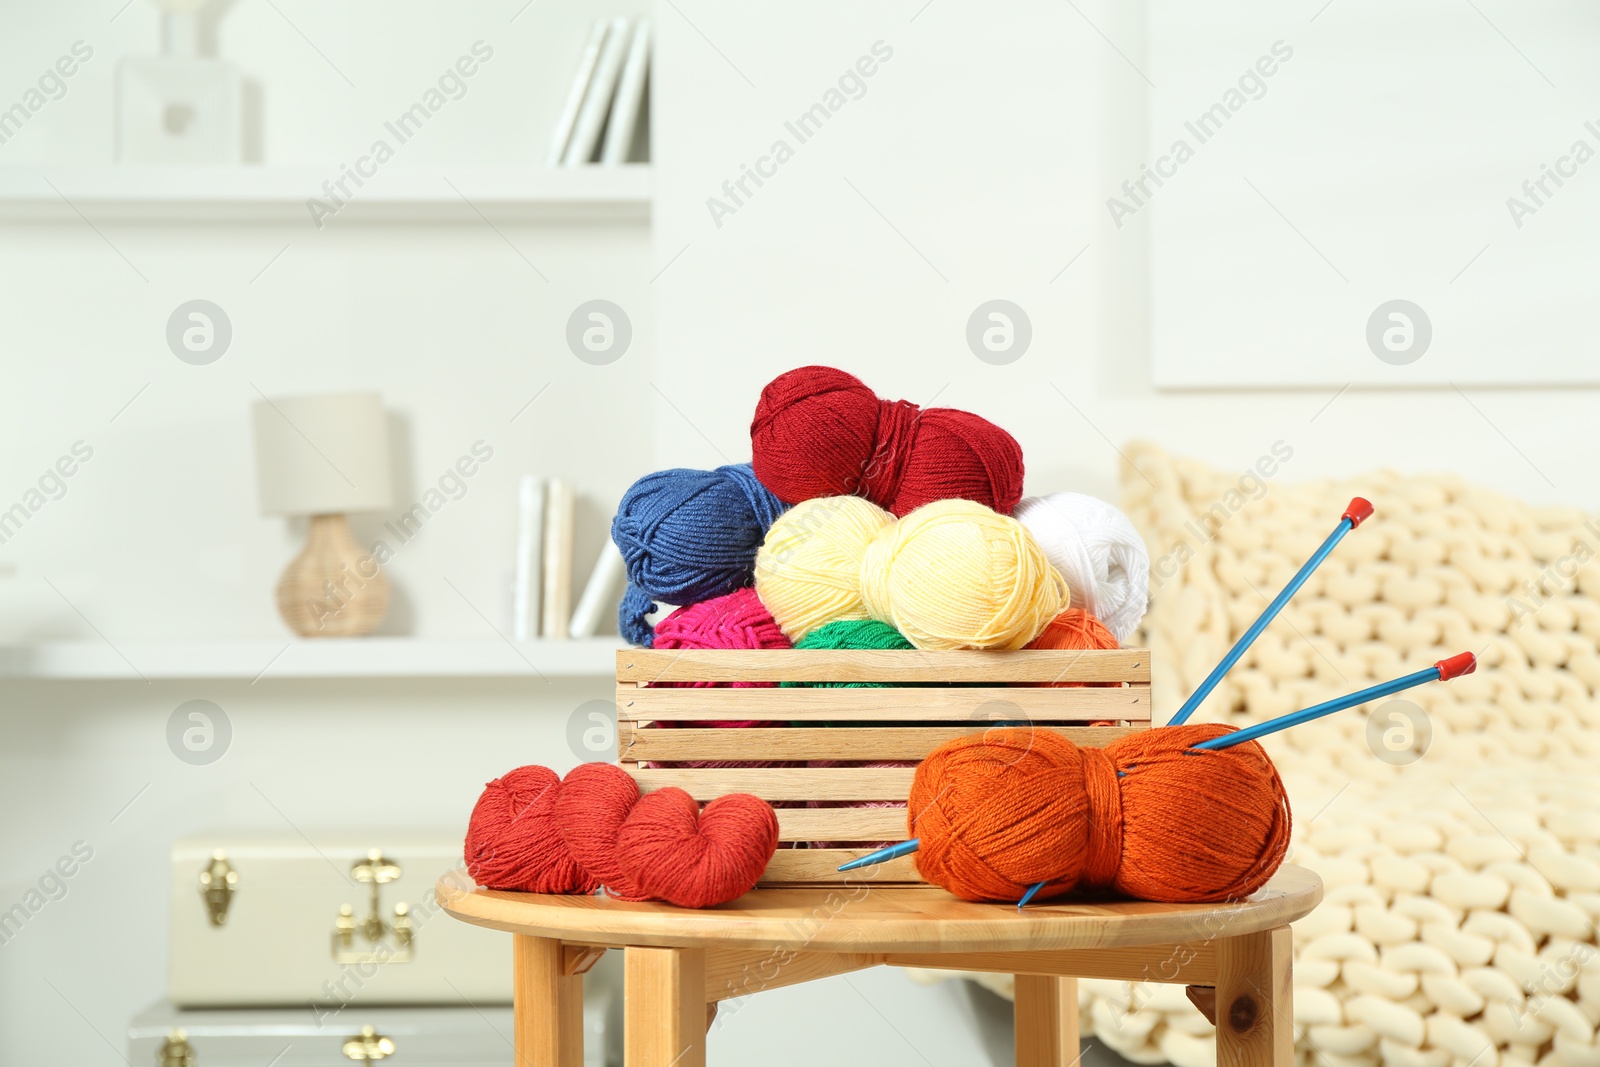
(1359, 511)
(1443, 671)
(884, 855)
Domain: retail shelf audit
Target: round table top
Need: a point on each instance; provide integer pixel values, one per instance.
(860, 917)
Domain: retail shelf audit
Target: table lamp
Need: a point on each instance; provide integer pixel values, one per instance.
(324, 457)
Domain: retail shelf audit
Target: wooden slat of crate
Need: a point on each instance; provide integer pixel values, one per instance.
(782, 783)
(985, 704)
(841, 824)
(643, 744)
(934, 712)
(649, 666)
(820, 865)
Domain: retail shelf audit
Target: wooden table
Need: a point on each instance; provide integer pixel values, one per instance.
(679, 963)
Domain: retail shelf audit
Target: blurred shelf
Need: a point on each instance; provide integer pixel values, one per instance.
(258, 194)
(361, 657)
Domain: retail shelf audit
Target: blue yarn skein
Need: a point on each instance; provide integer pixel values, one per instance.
(687, 536)
(631, 624)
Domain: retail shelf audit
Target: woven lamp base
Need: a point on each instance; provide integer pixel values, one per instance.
(333, 588)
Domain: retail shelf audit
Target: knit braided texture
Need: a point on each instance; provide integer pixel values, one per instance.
(1463, 887)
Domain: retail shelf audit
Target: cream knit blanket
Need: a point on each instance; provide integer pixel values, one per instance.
(1457, 826)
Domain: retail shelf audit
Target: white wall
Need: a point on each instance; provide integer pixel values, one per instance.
(991, 142)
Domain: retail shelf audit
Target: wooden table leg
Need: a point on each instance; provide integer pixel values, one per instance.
(1046, 1021)
(664, 1007)
(1255, 1006)
(547, 1005)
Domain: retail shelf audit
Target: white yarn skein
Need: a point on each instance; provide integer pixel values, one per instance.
(1097, 551)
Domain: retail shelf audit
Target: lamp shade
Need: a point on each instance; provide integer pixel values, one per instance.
(322, 455)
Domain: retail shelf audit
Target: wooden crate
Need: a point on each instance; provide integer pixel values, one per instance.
(935, 697)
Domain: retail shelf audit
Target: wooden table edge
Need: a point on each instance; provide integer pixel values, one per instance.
(1294, 892)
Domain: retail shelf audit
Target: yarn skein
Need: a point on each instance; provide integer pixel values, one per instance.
(1099, 553)
(698, 858)
(529, 827)
(514, 841)
(737, 620)
(590, 807)
(820, 432)
(952, 574)
(808, 570)
(955, 574)
(1075, 628)
(852, 633)
(1001, 812)
(687, 536)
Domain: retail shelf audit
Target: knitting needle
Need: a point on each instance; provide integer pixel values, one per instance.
(1359, 511)
(1443, 671)
(884, 855)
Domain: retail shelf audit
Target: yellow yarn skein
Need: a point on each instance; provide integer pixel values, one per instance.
(808, 571)
(956, 574)
(952, 574)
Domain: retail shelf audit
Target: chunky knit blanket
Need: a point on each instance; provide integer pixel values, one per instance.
(1456, 826)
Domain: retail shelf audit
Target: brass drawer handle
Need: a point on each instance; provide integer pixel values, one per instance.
(368, 1046)
(218, 883)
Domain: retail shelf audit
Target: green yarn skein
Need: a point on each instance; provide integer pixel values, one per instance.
(850, 633)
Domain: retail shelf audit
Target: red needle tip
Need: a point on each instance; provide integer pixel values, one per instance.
(1359, 511)
(1456, 666)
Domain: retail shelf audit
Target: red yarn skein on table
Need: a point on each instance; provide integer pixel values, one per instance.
(697, 858)
(532, 832)
(590, 808)
(999, 812)
(514, 841)
(818, 431)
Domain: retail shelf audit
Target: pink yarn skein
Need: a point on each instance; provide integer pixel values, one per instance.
(737, 620)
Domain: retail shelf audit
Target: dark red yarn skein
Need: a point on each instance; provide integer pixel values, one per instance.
(819, 432)
(513, 839)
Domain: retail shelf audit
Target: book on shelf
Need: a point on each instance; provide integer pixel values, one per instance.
(560, 509)
(597, 98)
(632, 85)
(599, 593)
(576, 92)
(527, 597)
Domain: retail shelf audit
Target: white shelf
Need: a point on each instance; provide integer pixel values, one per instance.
(362, 657)
(252, 193)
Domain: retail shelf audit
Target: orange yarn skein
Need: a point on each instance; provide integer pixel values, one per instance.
(1075, 628)
(1146, 816)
